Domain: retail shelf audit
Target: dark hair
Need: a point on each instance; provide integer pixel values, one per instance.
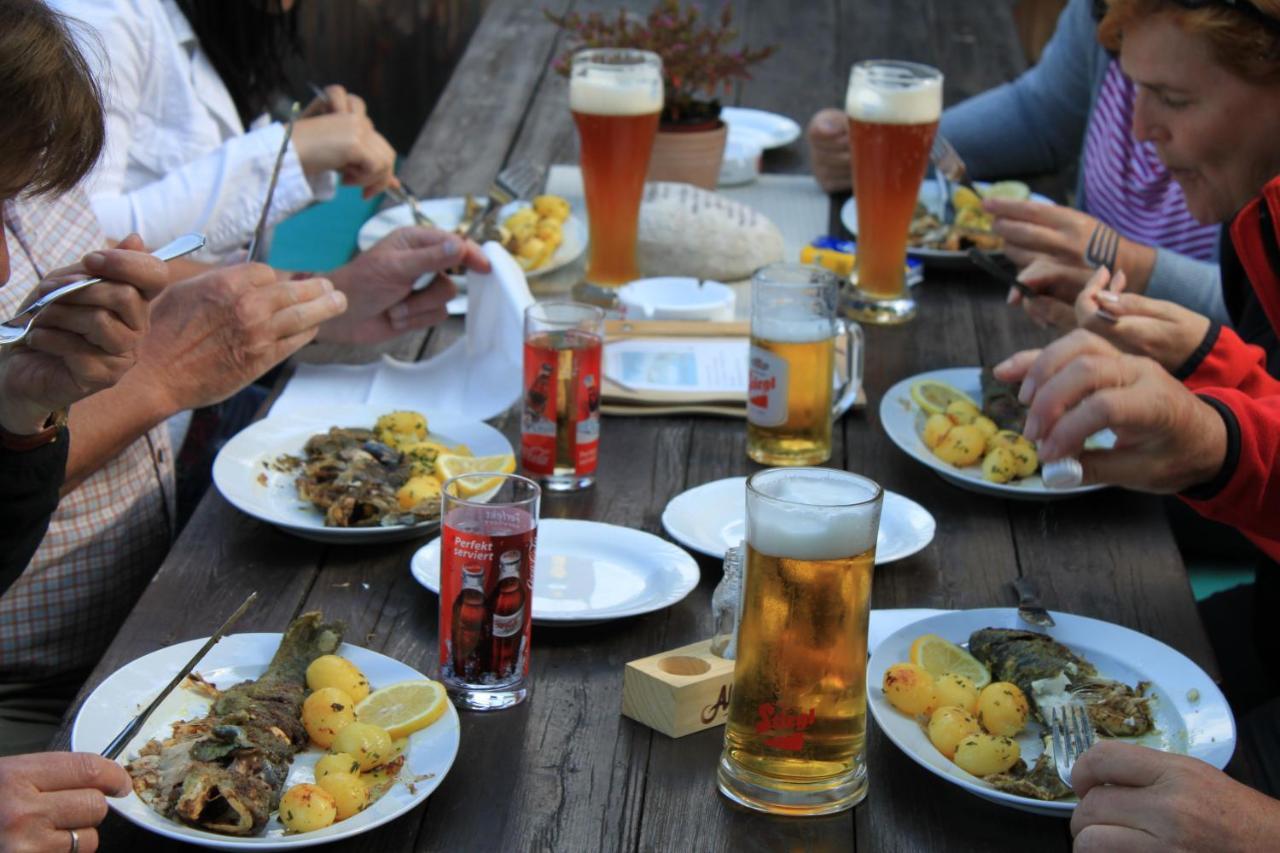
(51, 124)
(248, 42)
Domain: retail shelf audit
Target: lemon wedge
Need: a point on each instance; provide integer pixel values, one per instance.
(934, 396)
(1012, 190)
(404, 708)
(966, 199)
(939, 657)
(451, 465)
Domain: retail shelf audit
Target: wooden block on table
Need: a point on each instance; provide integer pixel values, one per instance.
(680, 691)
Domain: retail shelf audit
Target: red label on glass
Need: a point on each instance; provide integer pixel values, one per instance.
(486, 595)
(560, 423)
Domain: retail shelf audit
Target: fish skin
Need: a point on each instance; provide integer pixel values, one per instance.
(226, 771)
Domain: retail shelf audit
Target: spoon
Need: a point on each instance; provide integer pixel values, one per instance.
(16, 329)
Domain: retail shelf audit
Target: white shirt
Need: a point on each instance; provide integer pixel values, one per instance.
(177, 156)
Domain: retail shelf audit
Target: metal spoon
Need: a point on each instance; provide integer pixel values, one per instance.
(14, 330)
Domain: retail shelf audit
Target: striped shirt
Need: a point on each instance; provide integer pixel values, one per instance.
(1126, 185)
(110, 534)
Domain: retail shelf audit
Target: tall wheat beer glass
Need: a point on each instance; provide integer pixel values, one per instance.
(893, 110)
(616, 97)
(795, 742)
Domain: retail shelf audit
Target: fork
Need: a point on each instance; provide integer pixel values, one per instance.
(404, 195)
(947, 162)
(1072, 734)
(519, 180)
(1103, 247)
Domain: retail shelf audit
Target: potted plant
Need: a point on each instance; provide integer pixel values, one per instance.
(698, 62)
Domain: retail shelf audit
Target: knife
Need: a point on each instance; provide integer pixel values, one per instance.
(1029, 607)
(127, 734)
(256, 244)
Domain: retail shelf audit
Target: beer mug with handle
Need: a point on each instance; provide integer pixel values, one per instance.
(795, 332)
(795, 739)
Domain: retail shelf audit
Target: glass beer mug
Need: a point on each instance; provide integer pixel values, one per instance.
(792, 373)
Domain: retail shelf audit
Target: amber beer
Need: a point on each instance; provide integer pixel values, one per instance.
(795, 741)
(615, 96)
(790, 424)
(893, 110)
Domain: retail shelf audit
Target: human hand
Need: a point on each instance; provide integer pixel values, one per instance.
(1133, 798)
(44, 795)
(85, 341)
(346, 142)
(1160, 330)
(828, 137)
(1056, 286)
(336, 99)
(214, 334)
(379, 284)
(1167, 439)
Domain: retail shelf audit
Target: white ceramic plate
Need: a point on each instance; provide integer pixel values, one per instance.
(929, 196)
(236, 658)
(591, 572)
(249, 455)
(712, 517)
(903, 421)
(1203, 729)
(447, 212)
(768, 130)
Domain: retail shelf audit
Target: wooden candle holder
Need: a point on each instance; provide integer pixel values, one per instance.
(680, 691)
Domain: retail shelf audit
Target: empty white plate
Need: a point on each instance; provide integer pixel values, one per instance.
(766, 129)
(586, 571)
(712, 517)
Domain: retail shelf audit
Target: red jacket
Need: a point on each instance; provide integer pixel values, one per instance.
(1232, 376)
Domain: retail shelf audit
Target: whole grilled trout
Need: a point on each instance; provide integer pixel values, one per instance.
(225, 772)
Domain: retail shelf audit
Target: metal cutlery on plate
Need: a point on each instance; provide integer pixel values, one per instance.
(1071, 734)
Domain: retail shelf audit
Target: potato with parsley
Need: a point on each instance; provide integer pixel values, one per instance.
(335, 671)
(306, 808)
(397, 428)
(551, 207)
(368, 744)
(417, 491)
(1002, 708)
(909, 688)
(338, 762)
(986, 755)
(948, 726)
(936, 429)
(962, 412)
(350, 795)
(987, 426)
(325, 713)
(958, 690)
(421, 456)
(999, 465)
(961, 446)
(1025, 454)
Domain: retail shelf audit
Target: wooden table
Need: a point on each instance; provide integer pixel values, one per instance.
(565, 770)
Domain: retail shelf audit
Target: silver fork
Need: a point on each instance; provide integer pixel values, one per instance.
(1072, 734)
(404, 195)
(948, 163)
(1103, 247)
(518, 180)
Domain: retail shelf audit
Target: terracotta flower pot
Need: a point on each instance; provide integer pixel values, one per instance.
(689, 156)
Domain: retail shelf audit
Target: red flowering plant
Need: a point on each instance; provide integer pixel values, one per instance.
(698, 57)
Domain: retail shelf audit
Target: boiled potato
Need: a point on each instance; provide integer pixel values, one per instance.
(523, 230)
(909, 688)
(1028, 460)
(532, 248)
(957, 690)
(936, 428)
(961, 446)
(421, 456)
(338, 762)
(962, 412)
(419, 490)
(334, 671)
(1002, 708)
(987, 425)
(368, 744)
(1000, 465)
(348, 792)
(552, 207)
(327, 712)
(306, 808)
(395, 424)
(522, 217)
(1004, 438)
(986, 755)
(550, 230)
(950, 725)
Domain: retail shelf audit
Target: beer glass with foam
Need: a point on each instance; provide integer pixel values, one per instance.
(795, 740)
(893, 110)
(615, 96)
(791, 374)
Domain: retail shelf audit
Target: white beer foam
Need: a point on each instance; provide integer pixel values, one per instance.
(888, 98)
(792, 331)
(816, 522)
(616, 91)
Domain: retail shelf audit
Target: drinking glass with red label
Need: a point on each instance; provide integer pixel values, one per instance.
(560, 421)
(792, 370)
(488, 538)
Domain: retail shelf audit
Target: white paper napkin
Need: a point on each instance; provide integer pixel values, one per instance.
(476, 378)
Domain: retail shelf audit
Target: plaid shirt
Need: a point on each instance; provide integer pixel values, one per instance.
(111, 533)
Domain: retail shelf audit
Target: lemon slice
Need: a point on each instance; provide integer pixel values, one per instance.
(966, 199)
(451, 465)
(939, 657)
(404, 708)
(934, 396)
(1012, 190)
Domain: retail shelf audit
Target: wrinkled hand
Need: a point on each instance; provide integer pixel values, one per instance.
(346, 142)
(214, 334)
(1137, 799)
(1033, 229)
(336, 100)
(1167, 439)
(1160, 330)
(828, 137)
(379, 284)
(44, 795)
(1057, 286)
(84, 342)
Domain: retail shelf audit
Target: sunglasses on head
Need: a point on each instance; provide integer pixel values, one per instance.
(1242, 6)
